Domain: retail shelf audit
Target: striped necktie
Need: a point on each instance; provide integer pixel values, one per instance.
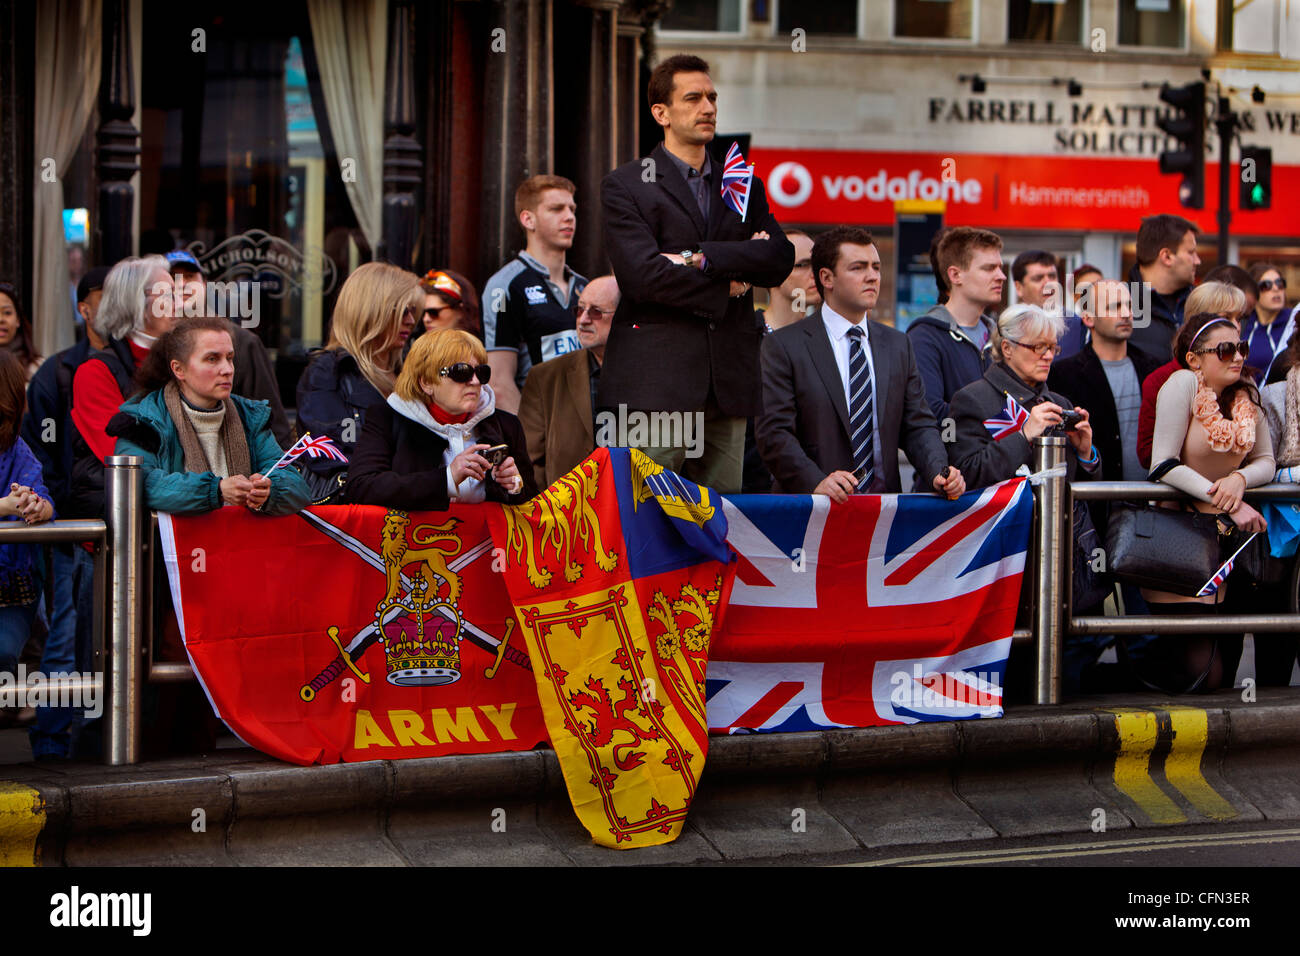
(861, 412)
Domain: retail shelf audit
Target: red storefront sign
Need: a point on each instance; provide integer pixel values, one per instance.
(1001, 192)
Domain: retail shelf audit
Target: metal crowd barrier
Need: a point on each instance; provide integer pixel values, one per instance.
(124, 560)
(1053, 565)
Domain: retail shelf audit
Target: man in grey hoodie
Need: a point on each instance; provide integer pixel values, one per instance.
(951, 341)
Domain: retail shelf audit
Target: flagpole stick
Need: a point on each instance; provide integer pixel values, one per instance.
(288, 455)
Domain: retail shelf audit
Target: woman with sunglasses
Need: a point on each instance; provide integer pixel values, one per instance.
(427, 446)
(999, 416)
(449, 302)
(1211, 442)
(1268, 328)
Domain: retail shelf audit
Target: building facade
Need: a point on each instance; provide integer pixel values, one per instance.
(1036, 119)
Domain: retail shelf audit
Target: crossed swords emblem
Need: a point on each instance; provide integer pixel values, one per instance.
(373, 631)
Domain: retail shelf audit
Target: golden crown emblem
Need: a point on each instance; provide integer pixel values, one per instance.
(421, 628)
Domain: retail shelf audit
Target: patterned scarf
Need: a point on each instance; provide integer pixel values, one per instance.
(1225, 434)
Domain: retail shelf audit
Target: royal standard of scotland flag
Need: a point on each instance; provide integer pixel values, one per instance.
(618, 573)
(887, 609)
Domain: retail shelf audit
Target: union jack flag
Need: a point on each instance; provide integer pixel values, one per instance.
(1221, 575)
(1014, 420)
(736, 180)
(312, 448)
(823, 632)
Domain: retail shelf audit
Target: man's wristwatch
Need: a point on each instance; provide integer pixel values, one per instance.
(688, 257)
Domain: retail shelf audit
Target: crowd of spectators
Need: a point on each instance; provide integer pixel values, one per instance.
(436, 396)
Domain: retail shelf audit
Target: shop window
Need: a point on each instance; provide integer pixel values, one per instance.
(940, 19)
(1045, 21)
(721, 16)
(1152, 23)
(826, 17)
(237, 167)
(1260, 26)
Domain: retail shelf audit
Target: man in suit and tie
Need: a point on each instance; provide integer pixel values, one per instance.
(685, 338)
(558, 405)
(841, 394)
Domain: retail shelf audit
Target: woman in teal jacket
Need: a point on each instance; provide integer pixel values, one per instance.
(202, 447)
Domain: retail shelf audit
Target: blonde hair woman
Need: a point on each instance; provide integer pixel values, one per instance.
(439, 438)
(375, 313)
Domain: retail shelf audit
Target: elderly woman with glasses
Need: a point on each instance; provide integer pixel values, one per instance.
(998, 416)
(439, 438)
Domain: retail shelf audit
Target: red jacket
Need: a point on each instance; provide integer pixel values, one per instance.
(1147, 413)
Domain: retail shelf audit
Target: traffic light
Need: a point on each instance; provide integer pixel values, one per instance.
(1187, 126)
(1256, 184)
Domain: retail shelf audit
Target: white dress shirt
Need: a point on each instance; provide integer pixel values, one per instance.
(837, 329)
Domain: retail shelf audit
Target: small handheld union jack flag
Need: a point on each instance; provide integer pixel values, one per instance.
(1221, 575)
(736, 180)
(1014, 420)
(312, 448)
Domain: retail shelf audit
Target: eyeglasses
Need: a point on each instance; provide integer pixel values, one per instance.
(1224, 350)
(1266, 284)
(462, 372)
(596, 314)
(1051, 348)
(435, 311)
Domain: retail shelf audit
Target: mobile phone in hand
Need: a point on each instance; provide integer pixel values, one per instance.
(496, 454)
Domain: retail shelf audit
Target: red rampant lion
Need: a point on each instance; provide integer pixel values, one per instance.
(610, 717)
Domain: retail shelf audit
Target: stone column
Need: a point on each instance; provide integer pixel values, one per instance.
(403, 154)
(518, 132)
(119, 141)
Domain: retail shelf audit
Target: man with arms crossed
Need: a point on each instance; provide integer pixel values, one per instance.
(685, 337)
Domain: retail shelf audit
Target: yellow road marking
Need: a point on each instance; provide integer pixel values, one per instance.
(1137, 738)
(22, 814)
(1183, 765)
(1137, 844)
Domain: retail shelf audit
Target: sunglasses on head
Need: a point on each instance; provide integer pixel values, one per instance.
(1224, 350)
(1266, 284)
(462, 372)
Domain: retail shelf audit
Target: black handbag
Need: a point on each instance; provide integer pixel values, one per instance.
(1089, 586)
(1162, 549)
(326, 486)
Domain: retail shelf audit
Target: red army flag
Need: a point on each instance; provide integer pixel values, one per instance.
(353, 633)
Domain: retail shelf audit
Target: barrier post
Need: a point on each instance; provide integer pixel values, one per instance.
(1049, 572)
(125, 514)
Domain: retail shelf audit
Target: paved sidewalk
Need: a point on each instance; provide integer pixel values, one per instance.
(1145, 761)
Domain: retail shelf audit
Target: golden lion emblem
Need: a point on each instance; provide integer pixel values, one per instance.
(437, 544)
(564, 516)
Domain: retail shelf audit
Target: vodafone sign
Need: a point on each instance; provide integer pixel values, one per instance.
(1015, 192)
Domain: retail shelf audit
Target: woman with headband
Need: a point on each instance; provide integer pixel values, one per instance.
(1211, 442)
